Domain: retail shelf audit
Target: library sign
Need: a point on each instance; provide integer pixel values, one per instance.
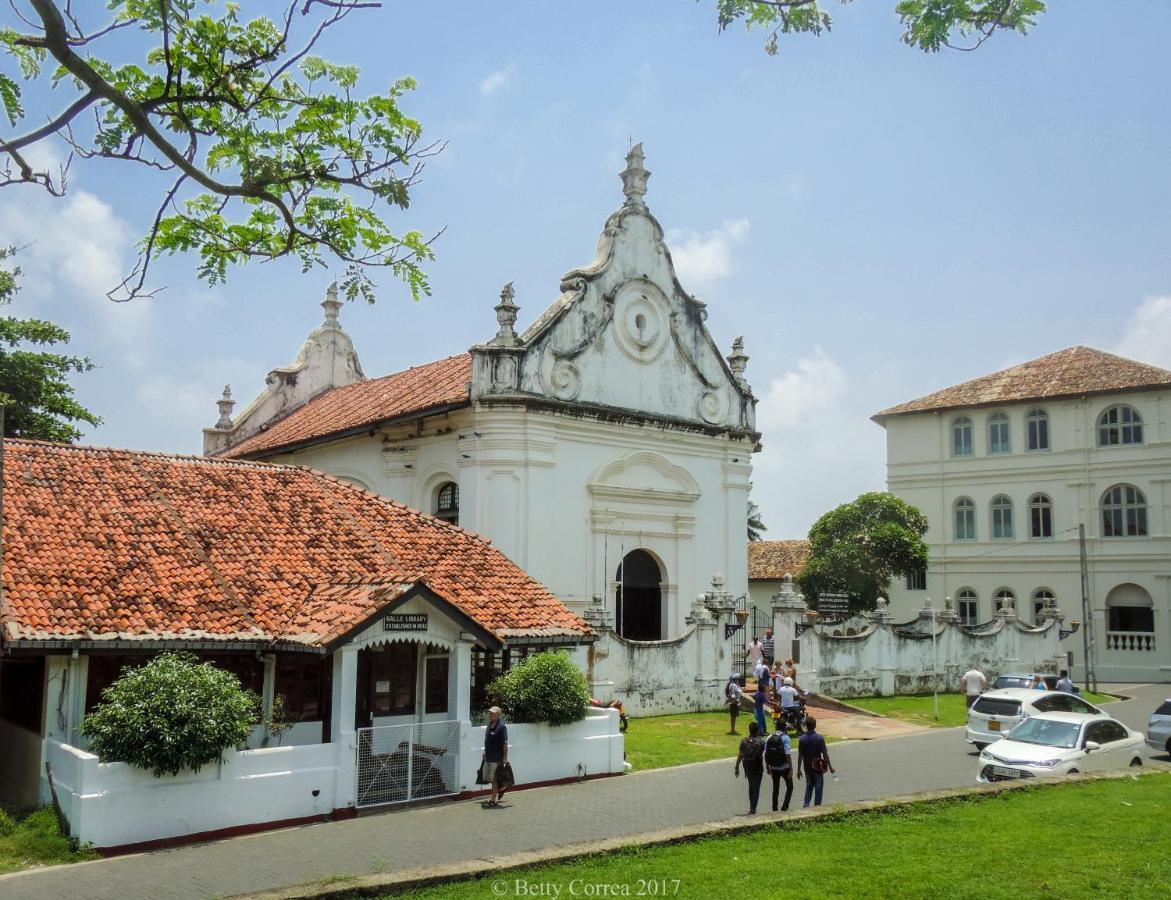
(405, 622)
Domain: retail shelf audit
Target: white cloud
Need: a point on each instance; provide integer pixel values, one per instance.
(189, 399)
(1147, 337)
(798, 396)
(703, 258)
(499, 79)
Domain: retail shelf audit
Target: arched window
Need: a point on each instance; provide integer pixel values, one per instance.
(1120, 424)
(1037, 429)
(967, 606)
(1042, 597)
(1003, 598)
(998, 436)
(639, 598)
(447, 502)
(1124, 512)
(965, 519)
(1040, 516)
(1002, 518)
(961, 436)
(1131, 612)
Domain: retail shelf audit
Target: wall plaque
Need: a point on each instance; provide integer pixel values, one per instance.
(405, 622)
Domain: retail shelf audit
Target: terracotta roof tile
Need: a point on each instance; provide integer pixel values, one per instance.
(441, 383)
(771, 560)
(1073, 372)
(104, 544)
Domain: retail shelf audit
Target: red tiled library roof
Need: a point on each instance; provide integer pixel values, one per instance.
(437, 384)
(769, 560)
(1073, 372)
(103, 544)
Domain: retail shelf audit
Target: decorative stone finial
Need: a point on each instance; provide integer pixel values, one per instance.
(506, 311)
(738, 359)
(718, 581)
(226, 404)
(331, 304)
(634, 178)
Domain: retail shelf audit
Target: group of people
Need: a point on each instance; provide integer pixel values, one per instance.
(973, 683)
(776, 688)
(775, 755)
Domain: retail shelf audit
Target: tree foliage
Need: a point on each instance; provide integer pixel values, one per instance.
(756, 526)
(546, 687)
(929, 25)
(37, 398)
(856, 549)
(171, 714)
(266, 148)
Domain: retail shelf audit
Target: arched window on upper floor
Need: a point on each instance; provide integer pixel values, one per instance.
(1120, 424)
(999, 436)
(1124, 512)
(965, 519)
(447, 502)
(1040, 516)
(1037, 429)
(961, 436)
(1002, 518)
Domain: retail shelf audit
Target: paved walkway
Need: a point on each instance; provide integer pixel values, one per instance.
(531, 820)
(850, 726)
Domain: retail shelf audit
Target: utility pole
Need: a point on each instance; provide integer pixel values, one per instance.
(1089, 648)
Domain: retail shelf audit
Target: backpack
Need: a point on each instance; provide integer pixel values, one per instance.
(774, 752)
(753, 755)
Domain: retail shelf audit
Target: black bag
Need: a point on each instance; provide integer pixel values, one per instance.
(504, 777)
(752, 755)
(775, 755)
(482, 773)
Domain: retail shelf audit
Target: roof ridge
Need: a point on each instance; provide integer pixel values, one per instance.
(158, 454)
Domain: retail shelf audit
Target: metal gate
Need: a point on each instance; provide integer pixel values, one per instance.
(400, 763)
(755, 623)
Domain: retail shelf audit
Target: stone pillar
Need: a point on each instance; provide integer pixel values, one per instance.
(267, 694)
(883, 641)
(1009, 637)
(461, 680)
(341, 726)
(790, 614)
(1051, 613)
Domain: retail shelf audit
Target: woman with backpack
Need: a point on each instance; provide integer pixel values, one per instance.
(777, 758)
(752, 756)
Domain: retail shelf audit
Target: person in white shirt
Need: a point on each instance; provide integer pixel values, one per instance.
(761, 671)
(755, 651)
(788, 694)
(974, 684)
(1064, 682)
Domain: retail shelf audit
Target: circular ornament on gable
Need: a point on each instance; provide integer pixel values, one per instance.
(563, 380)
(713, 407)
(642, 324)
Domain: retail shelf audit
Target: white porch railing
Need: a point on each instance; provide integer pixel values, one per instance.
(1138, 641)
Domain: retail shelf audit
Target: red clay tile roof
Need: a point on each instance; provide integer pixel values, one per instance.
(1073, 372)
(119, 545)
(771, 560)
(437, 384)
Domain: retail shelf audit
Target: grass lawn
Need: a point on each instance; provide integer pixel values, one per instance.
(35, 841)
(919, 708)
(988, 847)
(657, 741)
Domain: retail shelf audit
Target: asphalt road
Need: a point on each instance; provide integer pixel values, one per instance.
(531, 820)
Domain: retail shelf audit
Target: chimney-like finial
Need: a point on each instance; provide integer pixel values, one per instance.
(634, 177)
(506, 311)
(331, 304)
(738, 359)
(226, 404)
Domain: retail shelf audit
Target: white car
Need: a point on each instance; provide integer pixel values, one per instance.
(996, 713)
(1050, 744)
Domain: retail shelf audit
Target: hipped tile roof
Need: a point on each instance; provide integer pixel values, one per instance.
(103, 544)
(773, 560)
(434, 385)
(1072, 372)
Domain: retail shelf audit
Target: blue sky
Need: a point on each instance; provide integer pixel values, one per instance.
(877, 222)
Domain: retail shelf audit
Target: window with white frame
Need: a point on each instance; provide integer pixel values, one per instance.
(1037, 429)
(1120, 424)
(1001, 596)
(1042, 597)
(965, 519)
(917, 580)
(967, 606)
(998, 434)
(1040, 516)
(1124, 512)
(1002, 518)
(961, 436)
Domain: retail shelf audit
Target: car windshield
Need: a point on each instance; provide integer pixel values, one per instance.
(1164, 710)
(1046, 733)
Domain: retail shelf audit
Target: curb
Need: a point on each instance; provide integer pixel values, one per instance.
(343, 886)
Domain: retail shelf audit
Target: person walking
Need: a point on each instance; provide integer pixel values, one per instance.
(495, 753)
(759, 698)
(768, 646)
(1064, 682)
(778, 758)
(752, 756)
(732, 697)
(813, 757)
(973, 683)
(754, 652)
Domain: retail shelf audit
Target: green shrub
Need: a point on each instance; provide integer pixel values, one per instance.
(42, 821)
(171, 714)
(7, 823)
(546, 687)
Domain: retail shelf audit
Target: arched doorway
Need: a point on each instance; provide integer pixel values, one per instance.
(1131, 618)
(639, 598)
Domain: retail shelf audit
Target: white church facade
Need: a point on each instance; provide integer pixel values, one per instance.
(1008, 466)
(606, 449)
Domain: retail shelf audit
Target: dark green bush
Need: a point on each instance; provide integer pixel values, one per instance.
(173, 713)
(546, 687)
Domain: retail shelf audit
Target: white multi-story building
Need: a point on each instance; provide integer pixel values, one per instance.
(1008, 466)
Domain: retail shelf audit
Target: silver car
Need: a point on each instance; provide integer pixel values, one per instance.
(996, 713)
(1159, 728)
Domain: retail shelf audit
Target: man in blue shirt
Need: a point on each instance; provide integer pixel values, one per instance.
(813, 756)
(495, 752)
(1064, 682)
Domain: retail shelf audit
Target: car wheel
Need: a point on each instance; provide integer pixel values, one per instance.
(1169, 746)
(1137, 761)
(1072, 772)
(980, 747)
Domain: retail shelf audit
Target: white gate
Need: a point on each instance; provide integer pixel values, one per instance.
(399, 763)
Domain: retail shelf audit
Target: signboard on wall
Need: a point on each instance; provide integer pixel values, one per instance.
(405, 622)
(835, 606)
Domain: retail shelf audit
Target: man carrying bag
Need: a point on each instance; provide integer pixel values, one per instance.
(777, 758)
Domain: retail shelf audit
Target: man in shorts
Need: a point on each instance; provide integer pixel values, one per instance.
(495, 752)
